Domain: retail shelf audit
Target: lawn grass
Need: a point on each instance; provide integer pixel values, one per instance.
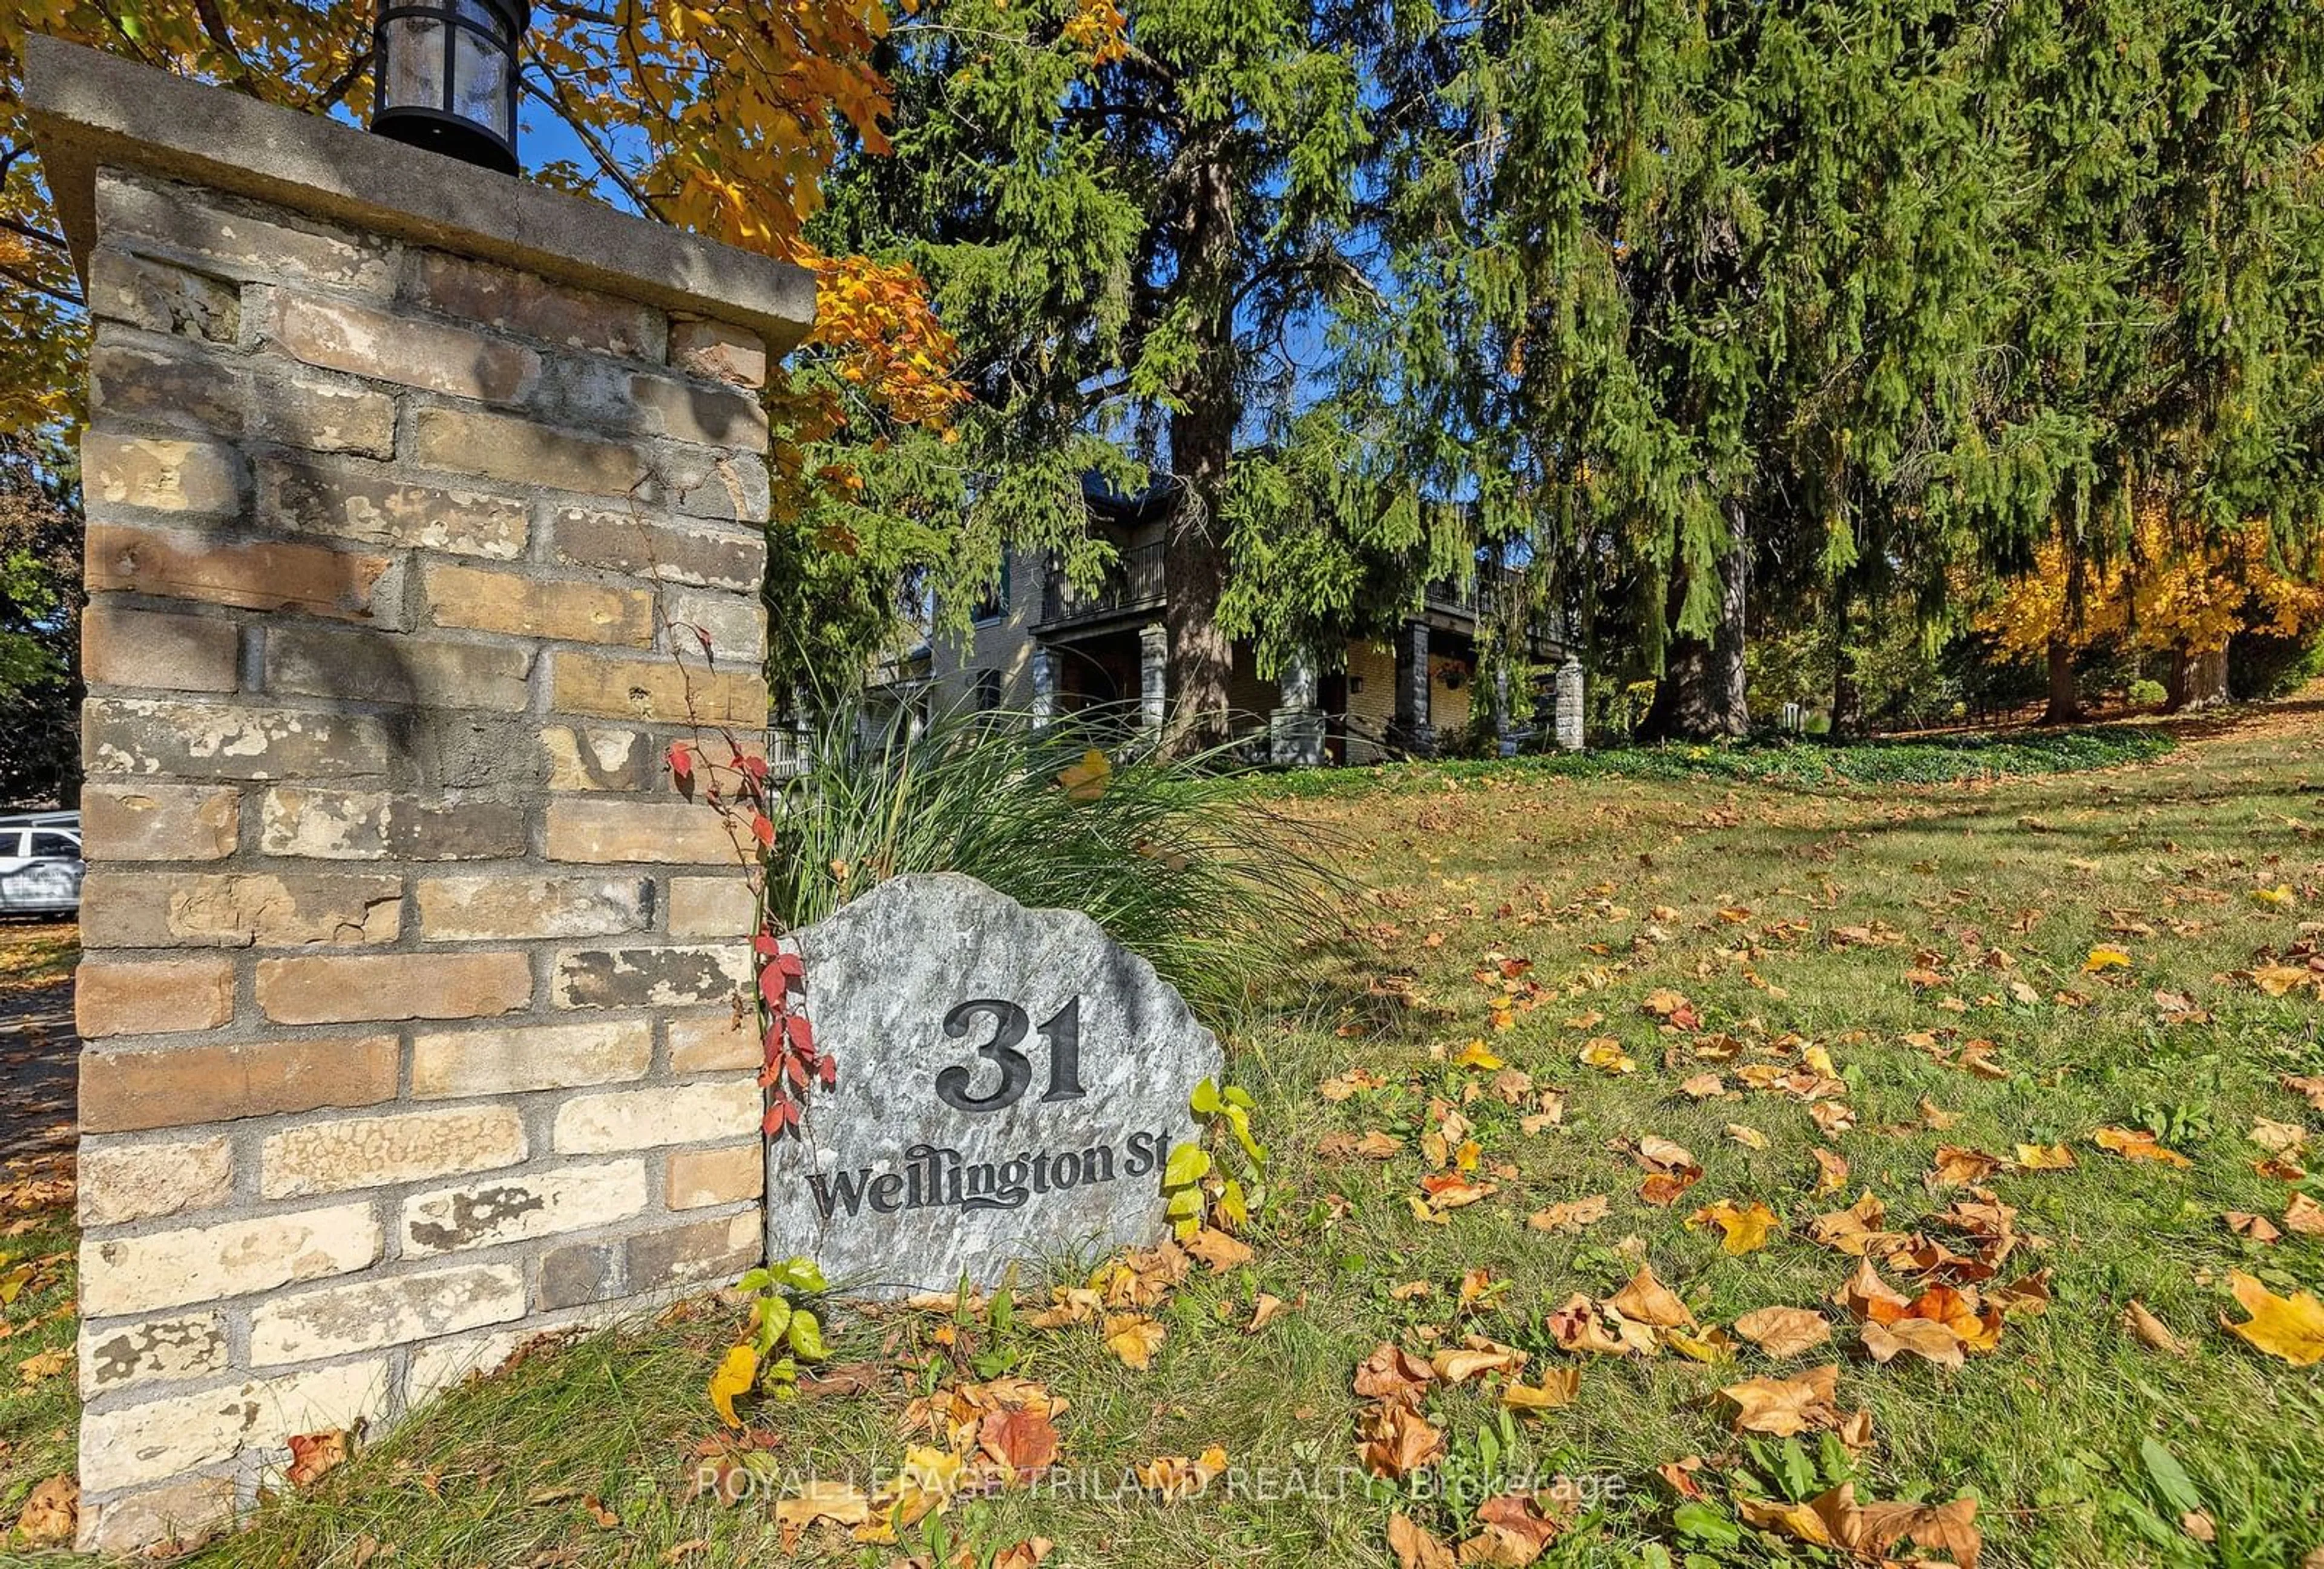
(1724, 888)
(36, 953)
(38, 1404)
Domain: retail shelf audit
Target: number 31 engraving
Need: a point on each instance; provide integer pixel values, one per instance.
(1062, 1032)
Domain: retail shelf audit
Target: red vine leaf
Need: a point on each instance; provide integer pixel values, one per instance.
(681, 764)
(762, 828)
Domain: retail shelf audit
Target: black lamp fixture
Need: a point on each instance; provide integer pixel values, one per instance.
(447, 76)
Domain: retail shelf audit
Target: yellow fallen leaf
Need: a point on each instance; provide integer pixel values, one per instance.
(1605, 1054)
(2289, 1327)
(2103, 958)
(2277, 897)
(2045, 1157)
(1750, 1138)
(1556, 1389)
(1085, 780)
(1744, 1227)
(1133, 1337)
(737, 1371)
(2137, 1144)
(1475, 1055)
(836, 1502)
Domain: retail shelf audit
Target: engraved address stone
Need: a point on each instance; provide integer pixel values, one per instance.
(1011, 1082)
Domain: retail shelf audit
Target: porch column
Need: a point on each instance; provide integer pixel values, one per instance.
(1412, 730)
(1504, 745)
(1568, 710)
(1294, 732)
(1045, 686)
(1153, 674)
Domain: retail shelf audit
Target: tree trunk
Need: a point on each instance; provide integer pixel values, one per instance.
(2065, 699)
(1847, 694)
(2199, 679)
(1700, 696)
(1202, 444)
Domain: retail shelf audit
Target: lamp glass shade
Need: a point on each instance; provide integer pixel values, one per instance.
(448, 77)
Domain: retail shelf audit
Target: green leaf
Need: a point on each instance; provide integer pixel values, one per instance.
(1795, 1471)
(1184, 1203)
(1239, 1096)
(1233, 1208)
(1205, 1101)
(755, 1280)
(805, 1337)
(2170, 1478)
(800, 1274)
(1240, 1120)
(1706, 1525)
(1188, 1164)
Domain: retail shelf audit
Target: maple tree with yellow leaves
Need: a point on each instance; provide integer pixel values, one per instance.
(2177, 589)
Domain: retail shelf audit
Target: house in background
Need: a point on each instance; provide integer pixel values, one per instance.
(1039, 646)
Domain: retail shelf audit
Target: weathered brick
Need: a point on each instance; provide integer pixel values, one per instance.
(714, 416)
(365, 1314)
(253, 574)
(718, 352)
(466, 909)
(124, 1446)
(143, 736)
(159, 822)
(649, 977)
(318, 662)
(577, 1274)
(160, 298)
(158, 475)
(185, 1346)
(328, 990)
(234, 240)
(549, 1056)
(705, 1250)
(121, 646)
(735, 624)
(152, 997)
(716, 1042)
(176, 1518)
(341, 336)
(157, 909)
(615, 1122)
(655, 689)
(712, 906)
(506, 448)
(350, 503)
(120, 1183)
(698, 1178)
(643, 547)
(375, 825)
(602, 831)
(600, 758)
(171, 384)
(521, 1205)
(351, 1152)
(181, 1086)
(525, 303)
(445, 1364)
(121, 1275)
(709, 482)
(563, 609)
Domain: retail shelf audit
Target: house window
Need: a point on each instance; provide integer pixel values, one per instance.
(994, 604)
(988, 691)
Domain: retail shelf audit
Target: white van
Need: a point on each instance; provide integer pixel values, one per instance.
(40, 863)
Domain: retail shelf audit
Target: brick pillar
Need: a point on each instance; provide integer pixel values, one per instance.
(414, 495)
(1153, 675)
(1569, 705)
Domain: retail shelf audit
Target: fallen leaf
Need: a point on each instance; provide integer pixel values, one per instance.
(1743, 1133)
(1703, 1086)
(1022, 1442)
(315, 1455)
(1744, 1227)
(1647, 1300)
(1957, 1166)
(2289, 1327)
(1569, 1215)
(1393, 1373)
(2137, 1144)
(1263, 1310)
(1517, 1528)
(2304, 1215)
(1458, 1364)
(2256, 1227)
(1215, 1248)
(1414, 1547)
(1372, 1146)
(1133, 1337)
(2277, 1138)
(1475, 1055)
(1175, 1477)
(51, 1512)
(1398, 1440)
(840, 1503)
(1831, 1171)
(1924, 1337)
(2151, 1331)
(2103, 959)
(1556, 1389)
(1783, 1332)
(2045, 1157)
(43, 1366)
(1605, 1054)
(737, 1371)
(1784, 1408)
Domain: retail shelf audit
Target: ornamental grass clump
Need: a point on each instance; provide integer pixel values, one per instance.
(1166, 853)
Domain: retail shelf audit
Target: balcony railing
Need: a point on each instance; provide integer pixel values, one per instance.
(1136, 583)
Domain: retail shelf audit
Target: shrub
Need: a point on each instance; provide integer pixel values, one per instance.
(2146, 694)
(1169, 855)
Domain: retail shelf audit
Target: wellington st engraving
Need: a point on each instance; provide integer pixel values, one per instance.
(1010, 1084)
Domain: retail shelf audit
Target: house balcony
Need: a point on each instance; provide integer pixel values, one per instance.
(1135, 584)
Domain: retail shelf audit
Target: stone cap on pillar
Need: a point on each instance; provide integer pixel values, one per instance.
(90, 109)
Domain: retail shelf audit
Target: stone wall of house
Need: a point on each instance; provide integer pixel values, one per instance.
(413, 985)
